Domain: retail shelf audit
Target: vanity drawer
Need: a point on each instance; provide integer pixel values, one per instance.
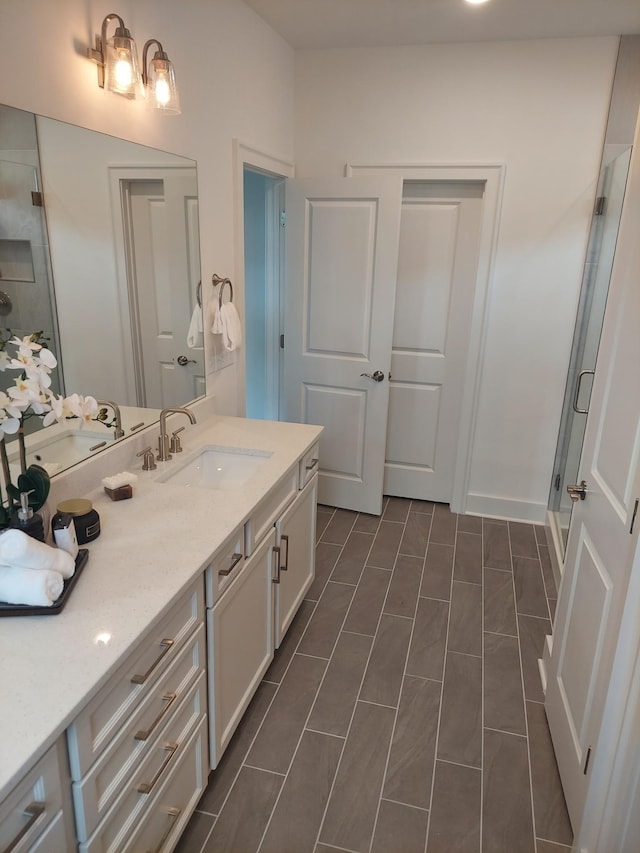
(53, 840)
(308, 465)
(114, 832)
(33, 803)
(94, 795)
(224, 567)
(269, 509)
(100, 721)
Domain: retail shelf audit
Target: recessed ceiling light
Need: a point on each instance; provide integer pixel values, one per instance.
(476, 2)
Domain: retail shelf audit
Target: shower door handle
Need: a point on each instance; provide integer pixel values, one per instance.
(577, 394)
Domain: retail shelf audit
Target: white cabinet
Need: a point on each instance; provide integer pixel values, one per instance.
(37, 813)
(240, 643)
(296, 535)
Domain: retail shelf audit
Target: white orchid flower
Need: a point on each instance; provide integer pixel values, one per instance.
(59, 410)
(47, 358)
(5, 359)
(25, 346)
(88, 409)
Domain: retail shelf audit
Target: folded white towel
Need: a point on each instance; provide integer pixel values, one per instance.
(37, 587)
(226, 322)
(18, 549)
(195, 335)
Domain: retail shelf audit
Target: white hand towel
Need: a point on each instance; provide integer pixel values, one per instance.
(18, 549)
(195, 335)
(217, 324)
(37, 587)
(232, 335)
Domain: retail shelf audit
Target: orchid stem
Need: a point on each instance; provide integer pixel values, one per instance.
(5, 467)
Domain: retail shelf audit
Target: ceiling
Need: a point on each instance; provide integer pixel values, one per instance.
(368, 23)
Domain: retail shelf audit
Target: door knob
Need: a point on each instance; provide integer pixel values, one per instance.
(579, 492)
(377, 375)
(183, 360)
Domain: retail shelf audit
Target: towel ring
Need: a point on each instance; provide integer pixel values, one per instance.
(215, 280)
(199, 293)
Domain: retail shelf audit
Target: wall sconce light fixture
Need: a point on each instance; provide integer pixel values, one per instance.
(160, 81)
(117, 58)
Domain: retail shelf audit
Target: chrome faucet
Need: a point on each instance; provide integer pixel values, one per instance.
(119, 432)
(163, 438)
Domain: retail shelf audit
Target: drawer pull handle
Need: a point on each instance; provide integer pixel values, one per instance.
(312, 464)
(285, 565)
(235, 559)
(276, 552)
(147, 787)
(33, 812)
(140, 679)
(143, 734)
(173, 815)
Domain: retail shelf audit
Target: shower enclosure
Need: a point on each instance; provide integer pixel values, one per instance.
(586, 338)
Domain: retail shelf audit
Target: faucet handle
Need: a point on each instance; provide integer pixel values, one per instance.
(148, 462)
(174, 445)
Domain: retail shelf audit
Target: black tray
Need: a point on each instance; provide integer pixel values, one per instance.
(56, 607)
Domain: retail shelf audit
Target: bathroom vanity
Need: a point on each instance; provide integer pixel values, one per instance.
(114, 711)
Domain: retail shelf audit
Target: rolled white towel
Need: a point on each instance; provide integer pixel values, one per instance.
(18, 549)
(37, 587)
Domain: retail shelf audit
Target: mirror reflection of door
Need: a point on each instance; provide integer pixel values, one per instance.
(161, 237)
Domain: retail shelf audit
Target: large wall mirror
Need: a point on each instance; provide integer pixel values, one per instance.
(99, 251)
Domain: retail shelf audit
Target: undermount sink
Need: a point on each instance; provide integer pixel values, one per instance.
(217, 468)
(62, 449)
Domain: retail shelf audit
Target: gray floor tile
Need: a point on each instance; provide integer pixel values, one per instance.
(550, 847)
(368, 600)
(507, 821)
(454, 825)
(438, 572)
(351, 561)
(326, 622)
(367, 523)
(323, 517)
(547, 572)
(397, 509)
(503, 700)
(400, 829)
(499, 603)
(416, 535)
(383, 676)
(196, 833)
(532, 635)
(497, 554)
(465, 622)
(337, 696)
(553, 603)
(541, 537)
(460, 738)
(410, 768)
(339, 527)
(523, 540)
(426, 655)
(552, 819)
(278, 737)
(422, 506)
(468, 560)
(300, 809)
(405, 586)
(283, 655)
(443, 526)
(326, 558)
(469, 524)
(325, 848)
(386, 544)
(353, 805)
(245, 814)
(530, 595)
(221, 779)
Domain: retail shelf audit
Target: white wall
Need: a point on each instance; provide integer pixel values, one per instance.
(540, 108)
(235, 77)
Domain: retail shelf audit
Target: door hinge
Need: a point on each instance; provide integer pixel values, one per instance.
(557, 482)
(633, 517)
(36, 199)
(283, 218)
(601, 206)
(586, 763)
(281, 341)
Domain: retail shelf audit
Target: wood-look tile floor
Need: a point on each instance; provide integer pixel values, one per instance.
(403, 712)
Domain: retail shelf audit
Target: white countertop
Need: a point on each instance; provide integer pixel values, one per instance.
(150, 548)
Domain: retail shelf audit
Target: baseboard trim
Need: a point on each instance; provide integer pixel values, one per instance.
(506, 509)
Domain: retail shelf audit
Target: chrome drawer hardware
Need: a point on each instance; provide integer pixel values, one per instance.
(172, 814)
(276, 551)
(579, 492)
(33, 812)
(312, 464)
(169, 698)
(285, 565)
(235, 559)
(140, 679)
(147, 787)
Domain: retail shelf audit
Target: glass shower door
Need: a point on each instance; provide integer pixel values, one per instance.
(586, 339)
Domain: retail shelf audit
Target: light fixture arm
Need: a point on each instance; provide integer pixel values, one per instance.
(97, 53)
(159, 54)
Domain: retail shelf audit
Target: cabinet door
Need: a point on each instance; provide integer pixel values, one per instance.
(296, 538)
(240, 640)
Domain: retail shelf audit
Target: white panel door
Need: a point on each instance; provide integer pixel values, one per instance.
(342, 250)
(437, 269)
(600, 548)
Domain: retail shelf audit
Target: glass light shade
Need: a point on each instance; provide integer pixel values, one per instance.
(162, 92)
(121, 68)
